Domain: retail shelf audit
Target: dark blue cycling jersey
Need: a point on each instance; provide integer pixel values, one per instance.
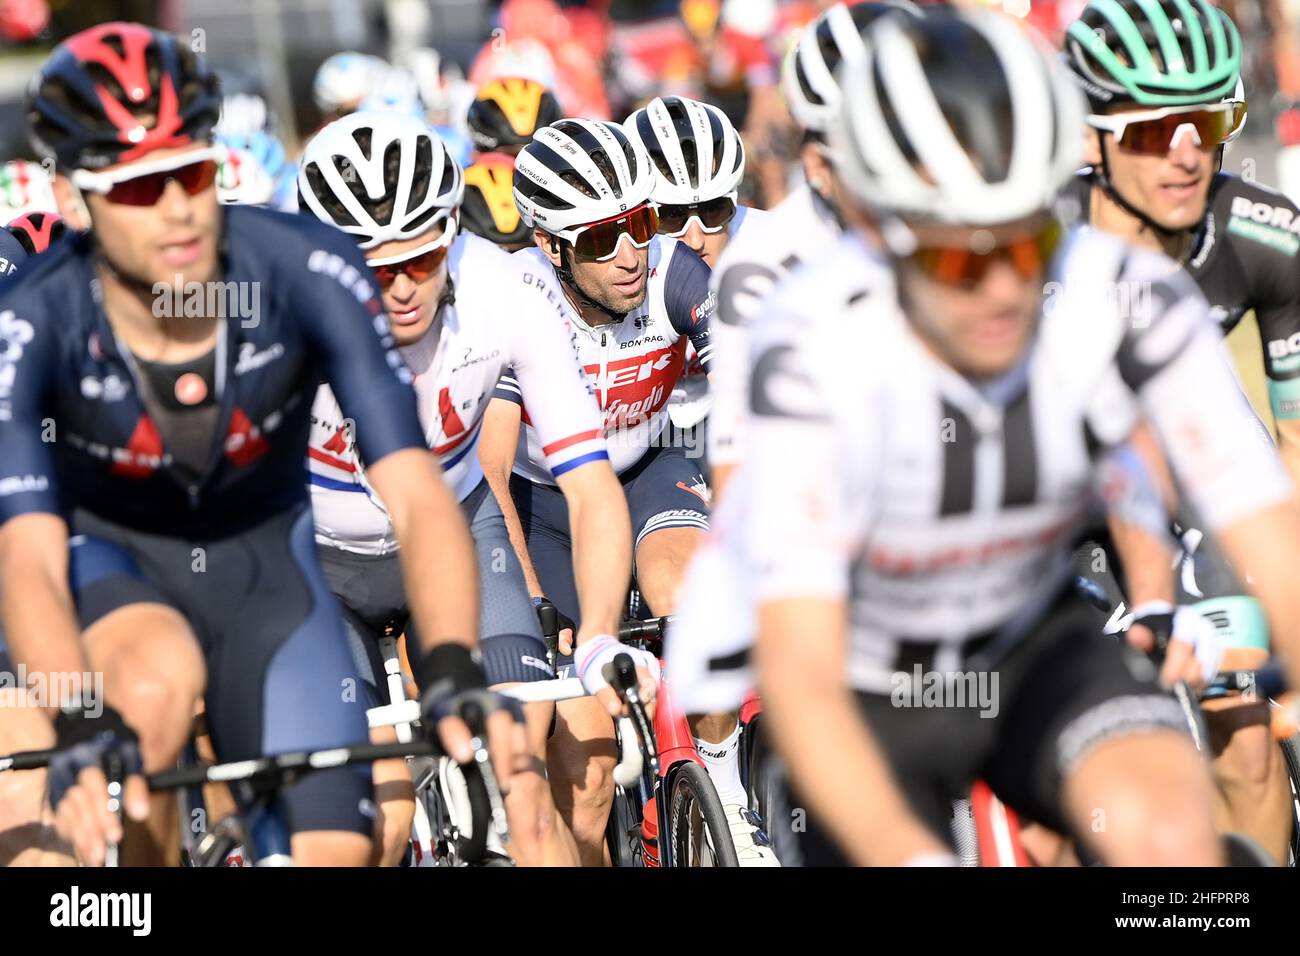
(303, 307)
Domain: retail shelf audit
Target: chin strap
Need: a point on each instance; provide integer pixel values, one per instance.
(583, 300)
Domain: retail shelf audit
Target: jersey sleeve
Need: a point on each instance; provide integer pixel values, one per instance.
(27, 357)
(1176, 363)
(551, 382)
(1270, 258)
(796, 473)
(337, 302)
(689, 301)
(508, 387)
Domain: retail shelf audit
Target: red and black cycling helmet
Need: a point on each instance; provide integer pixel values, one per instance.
(116, 91)
(36, 230)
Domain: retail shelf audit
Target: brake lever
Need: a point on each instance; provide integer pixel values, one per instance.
(475, 719)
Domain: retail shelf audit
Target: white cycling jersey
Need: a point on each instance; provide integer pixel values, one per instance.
(797, 230)
(501, 315)
(690, 402)
(943, 510)
(634, 363)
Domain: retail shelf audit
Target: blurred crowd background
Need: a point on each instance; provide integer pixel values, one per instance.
(602, 59)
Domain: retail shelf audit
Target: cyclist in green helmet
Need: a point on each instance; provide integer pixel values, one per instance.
(1165, 95)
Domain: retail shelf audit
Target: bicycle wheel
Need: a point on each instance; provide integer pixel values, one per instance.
(697, 824)
(623, 831)
(1291, 751)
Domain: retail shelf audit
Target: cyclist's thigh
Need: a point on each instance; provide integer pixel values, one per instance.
(1071, 691)
(544, 515)
(666, 489)
(510, 636)
(281, 677)
(371, 593)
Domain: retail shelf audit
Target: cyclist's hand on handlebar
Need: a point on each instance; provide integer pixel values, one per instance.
(78, 786)
(589, 662)
(504, 732)
(555, 621)
(1185, 644)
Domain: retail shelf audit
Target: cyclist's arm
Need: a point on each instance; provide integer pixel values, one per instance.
(1288, 446)
(36, 608)
(1230, 474)
(690, 302)
(497, 446)
(39, 618)
(567, 419)
(1145, 548)
(801, 481)
(831, 754)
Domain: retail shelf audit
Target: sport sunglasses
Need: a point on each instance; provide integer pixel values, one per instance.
(712, 216)
(143, 184)
(599, 241)
(1156, 132)
(963, 267)
(419, 263)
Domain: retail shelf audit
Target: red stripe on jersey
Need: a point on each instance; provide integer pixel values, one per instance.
(330, 460)
(564, 443)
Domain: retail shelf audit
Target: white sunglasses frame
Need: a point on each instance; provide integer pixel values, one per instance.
(694, 218)
(102, 183)
(571, 235)
(1117, 123)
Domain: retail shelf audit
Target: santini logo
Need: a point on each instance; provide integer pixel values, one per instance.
(103, 909)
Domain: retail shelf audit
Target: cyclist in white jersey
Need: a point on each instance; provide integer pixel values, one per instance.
(634, 299)
(946, 437)
(715, 620)
(462, 312)
(699, 162)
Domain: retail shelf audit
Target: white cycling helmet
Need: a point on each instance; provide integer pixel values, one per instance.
(576, 172)
(808, 73)
(345, 79)
(396, 90)
(958, 116)
(696, 152)
(380, 177)
(25, 187)
(243, 115)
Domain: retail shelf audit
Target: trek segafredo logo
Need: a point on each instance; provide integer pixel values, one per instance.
(1274, 226)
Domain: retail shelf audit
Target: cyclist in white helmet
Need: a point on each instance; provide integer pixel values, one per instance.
(715, 620)
(343, 81)
(917, 627)
(699, 161)
(633, 299)
(461, 311)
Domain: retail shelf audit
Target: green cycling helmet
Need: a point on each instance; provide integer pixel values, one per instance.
(1154, 52)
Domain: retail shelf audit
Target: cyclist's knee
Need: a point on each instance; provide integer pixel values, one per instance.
(661, 560)
(1146, 801)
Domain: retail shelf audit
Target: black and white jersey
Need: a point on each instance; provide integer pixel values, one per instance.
(942, 509)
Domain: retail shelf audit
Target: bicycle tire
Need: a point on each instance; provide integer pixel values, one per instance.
(694, 798)
(471, 846)
(623, 831)
(1241, 850)
(1291, 752)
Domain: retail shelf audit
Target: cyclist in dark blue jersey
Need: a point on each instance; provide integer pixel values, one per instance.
(156, 378)
(1165, 96)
